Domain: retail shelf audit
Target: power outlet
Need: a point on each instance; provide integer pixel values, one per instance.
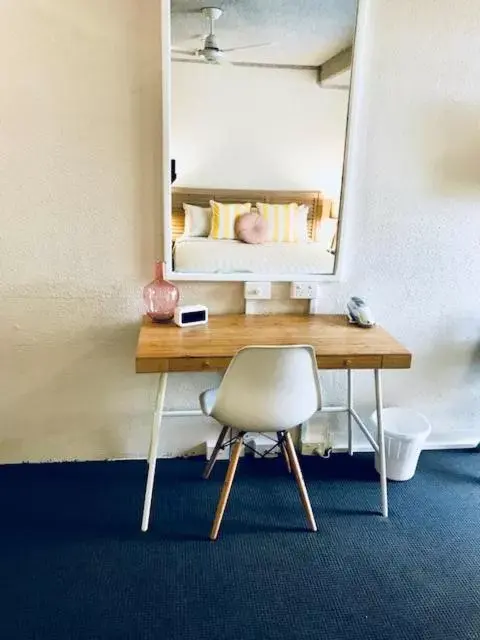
(258, 290)
(304, 290)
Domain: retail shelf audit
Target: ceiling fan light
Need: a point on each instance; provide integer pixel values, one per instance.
(212, 55)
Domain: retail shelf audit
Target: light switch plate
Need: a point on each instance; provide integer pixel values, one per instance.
(258, 290)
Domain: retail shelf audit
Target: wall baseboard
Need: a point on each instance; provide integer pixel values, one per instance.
(436, 441)
(183, 437)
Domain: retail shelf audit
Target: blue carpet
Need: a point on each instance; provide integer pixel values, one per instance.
(75, 565)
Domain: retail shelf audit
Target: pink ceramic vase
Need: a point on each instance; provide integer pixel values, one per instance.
(160, 296)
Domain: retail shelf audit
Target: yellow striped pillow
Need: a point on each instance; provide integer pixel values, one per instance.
(223, 219)
(286, 222)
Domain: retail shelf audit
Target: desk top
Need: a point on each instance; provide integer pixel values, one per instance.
(210, 347)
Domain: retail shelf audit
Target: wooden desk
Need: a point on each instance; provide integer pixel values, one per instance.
(164, 348)
(337, 343)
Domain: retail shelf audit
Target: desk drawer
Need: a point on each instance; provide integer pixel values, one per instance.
(187, 365)
(349, 362)
(324, 362)
(198, 364)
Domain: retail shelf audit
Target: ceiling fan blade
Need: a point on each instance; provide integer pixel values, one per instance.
(196, 37)
(249, 46)
(184, 53)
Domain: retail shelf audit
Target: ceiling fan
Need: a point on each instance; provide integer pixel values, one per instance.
(210, 51)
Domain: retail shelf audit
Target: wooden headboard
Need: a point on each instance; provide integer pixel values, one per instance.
(319, 207)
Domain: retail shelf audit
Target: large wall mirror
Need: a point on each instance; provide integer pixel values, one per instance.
(257, 96)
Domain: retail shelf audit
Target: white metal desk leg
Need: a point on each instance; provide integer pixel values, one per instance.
(152, 454)
(381, 442)
(350, 407)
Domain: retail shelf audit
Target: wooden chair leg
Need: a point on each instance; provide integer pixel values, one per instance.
(222, 503)
(215, 452)
(284, 450)
(300, 482)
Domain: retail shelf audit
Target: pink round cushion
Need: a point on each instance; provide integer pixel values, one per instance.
(251, 228)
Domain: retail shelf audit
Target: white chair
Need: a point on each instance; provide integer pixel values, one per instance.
(265, 389)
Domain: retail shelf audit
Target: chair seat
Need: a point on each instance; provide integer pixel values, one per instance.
(266, 389)
(207, 401)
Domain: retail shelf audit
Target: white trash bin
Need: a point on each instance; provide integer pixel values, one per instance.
(405, 433)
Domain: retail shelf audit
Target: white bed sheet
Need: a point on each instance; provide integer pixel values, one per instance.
(204, 255)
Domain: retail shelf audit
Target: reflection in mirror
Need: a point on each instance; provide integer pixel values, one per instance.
(259, 101)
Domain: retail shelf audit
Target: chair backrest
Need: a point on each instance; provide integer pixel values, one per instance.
(269, 388)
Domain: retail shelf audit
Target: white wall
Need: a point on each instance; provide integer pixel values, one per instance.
(415, 243)
(79, 197)
(79, 205)
(256, 128)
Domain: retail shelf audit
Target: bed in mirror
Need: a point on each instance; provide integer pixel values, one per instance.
(258, 138)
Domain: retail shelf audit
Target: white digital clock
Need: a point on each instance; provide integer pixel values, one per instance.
(190, 315)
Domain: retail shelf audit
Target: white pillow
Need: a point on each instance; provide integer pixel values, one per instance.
(197, 221)
(302, 225)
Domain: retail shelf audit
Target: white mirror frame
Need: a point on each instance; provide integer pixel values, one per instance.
(347, 204)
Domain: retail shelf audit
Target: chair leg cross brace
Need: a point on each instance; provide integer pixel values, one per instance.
(222, 444)
(265, 454)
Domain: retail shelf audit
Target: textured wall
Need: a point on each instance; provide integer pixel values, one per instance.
(79, 196)
(256, 128)
(79, 201)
